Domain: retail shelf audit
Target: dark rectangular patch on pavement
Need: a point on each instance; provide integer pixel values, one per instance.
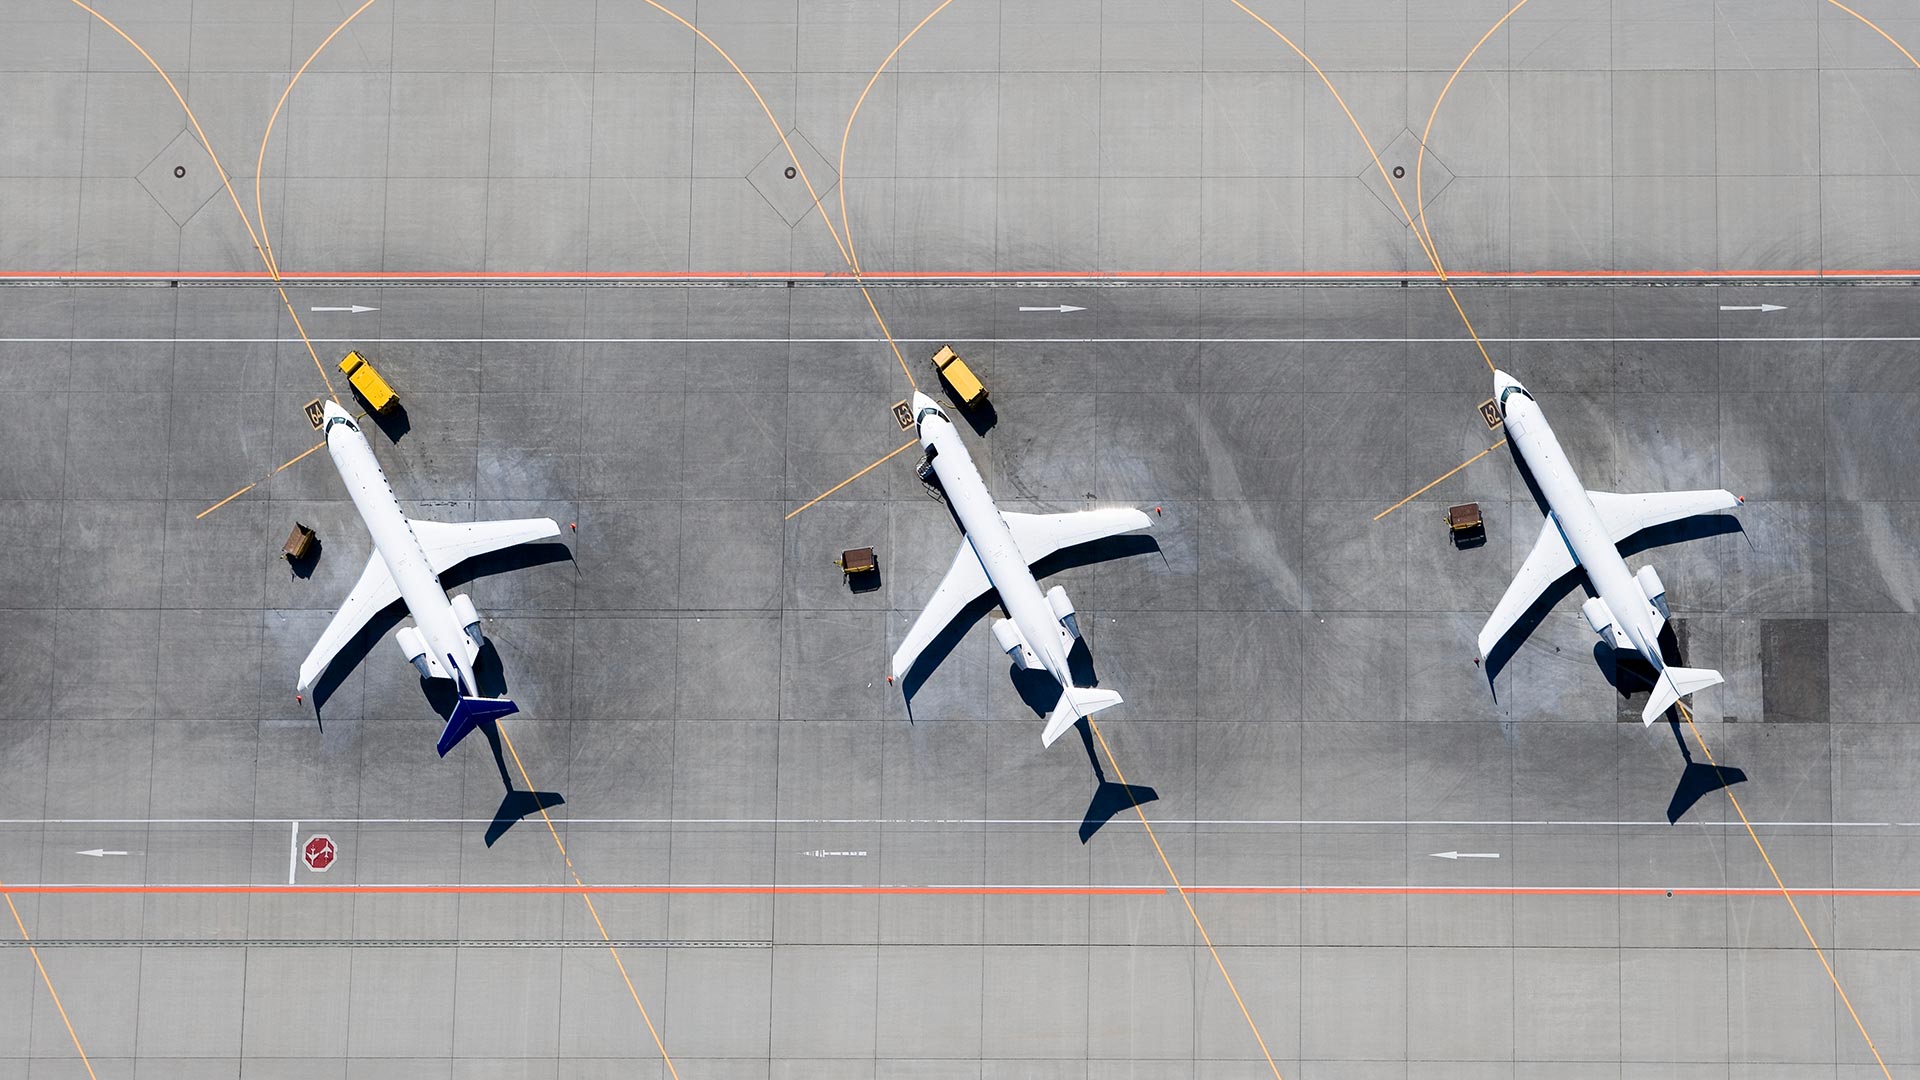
(1793, 670)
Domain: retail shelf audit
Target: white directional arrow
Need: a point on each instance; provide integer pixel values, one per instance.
(354, 308)
(1466, 855)
(1062, 308)
(99, 853)
(1753, 307)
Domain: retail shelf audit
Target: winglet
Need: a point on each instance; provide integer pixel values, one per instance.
(468, 712)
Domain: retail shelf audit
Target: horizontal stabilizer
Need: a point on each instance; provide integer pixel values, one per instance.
(1075, 702)
(468, 712)
(1673, 684)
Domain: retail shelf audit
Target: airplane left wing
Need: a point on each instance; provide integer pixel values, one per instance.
(1548, 562)
(450, 543)
(373, 592)
(1040, 535)
(966, 579)
(1625, 515)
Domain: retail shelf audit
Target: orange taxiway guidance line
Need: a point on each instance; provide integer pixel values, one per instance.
(51, 992)
(1687, 715)
(1187, 899)
(207, 145)
(658, 1043)
(1439, 478)
(791, 514)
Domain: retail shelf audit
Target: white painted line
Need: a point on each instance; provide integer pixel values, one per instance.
(909, 888)
(293, 851)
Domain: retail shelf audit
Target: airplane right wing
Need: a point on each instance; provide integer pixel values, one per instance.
(966, 579)
(1548, 562)
(373, 592)
(1625, 515)
(1040, 535)
(448, 544)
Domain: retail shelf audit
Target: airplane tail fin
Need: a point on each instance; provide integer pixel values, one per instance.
(1673, 684)
(1075, 702)
(468, 712)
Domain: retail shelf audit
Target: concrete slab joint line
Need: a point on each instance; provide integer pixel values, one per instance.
(1404, 154)
(778, 181)
(180, 178)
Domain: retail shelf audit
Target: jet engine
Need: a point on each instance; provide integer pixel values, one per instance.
(469, 620)
(1007, 636)
(1600, 618)
(1063, 610)
(1649, 580)
(413, 643)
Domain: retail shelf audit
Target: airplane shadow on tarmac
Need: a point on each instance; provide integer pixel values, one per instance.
(487, 668)
(1625, 672)
(1037, 688)
(1629, 674)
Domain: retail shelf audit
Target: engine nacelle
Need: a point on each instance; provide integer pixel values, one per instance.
(1600, 618)
(414, 644)
(1649, 581)
(469, 619)
(1007, 636)
(1063, 610)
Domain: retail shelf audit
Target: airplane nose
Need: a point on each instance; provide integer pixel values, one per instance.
(332, 409)
(922, 401)
(1502, 380)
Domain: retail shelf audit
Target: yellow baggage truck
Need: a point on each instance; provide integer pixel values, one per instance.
(966, 386)
(372, 388)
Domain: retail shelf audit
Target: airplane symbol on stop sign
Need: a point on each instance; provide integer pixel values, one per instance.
(319, 852)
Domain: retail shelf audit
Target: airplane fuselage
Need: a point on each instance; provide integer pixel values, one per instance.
(993, 542)
(400, 548)
(1580, 523)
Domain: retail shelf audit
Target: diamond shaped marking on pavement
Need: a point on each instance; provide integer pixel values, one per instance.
(1404, 153)
(789, 197)
(181, 196)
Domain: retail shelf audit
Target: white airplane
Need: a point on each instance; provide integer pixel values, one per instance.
(409, 555)
(1581, 531)
(996, 555)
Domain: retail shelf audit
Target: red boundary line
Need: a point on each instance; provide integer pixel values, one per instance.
(970, 890)
(948, 275)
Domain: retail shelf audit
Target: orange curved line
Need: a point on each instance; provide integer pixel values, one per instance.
(854, 255)
(1420, 161)
(798, 168)
(801, 171)
(259, 164)
(205, 143)
(1418, 238)
(1351, 119)
(1875, 27)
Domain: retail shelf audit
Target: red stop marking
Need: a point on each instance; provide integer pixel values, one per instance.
(319, 852)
